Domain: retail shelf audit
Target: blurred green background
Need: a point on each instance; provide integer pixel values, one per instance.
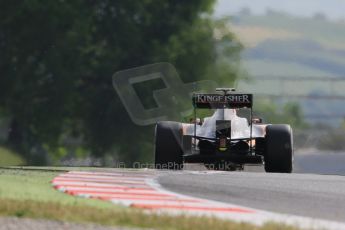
(57, 58)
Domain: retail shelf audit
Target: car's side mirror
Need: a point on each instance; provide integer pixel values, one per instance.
(197, 121)
(257, 120)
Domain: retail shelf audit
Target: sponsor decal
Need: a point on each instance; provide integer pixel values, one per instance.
(222, 101)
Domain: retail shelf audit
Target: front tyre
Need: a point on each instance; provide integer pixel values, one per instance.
(278, 154)
(168, 145)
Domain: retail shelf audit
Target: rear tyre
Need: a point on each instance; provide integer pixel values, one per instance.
(168, 145)
(278, 154)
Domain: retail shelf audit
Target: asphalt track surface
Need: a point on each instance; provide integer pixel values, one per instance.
(316, 196)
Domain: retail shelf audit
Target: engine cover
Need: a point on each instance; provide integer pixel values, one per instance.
(223, 128)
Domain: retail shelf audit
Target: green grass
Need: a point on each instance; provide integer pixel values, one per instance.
(281, 68)
(7, 157)
(316, 50)
(130, 218)
(327, 32)
(276, 87)
(32, 185)
(28, 193)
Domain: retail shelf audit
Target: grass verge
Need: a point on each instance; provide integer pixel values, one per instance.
(28, 193)
(8, 157)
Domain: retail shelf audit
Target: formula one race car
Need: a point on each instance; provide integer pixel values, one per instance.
(225, 140)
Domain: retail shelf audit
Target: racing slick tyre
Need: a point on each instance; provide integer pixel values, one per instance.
(278, 154)
(168, 145)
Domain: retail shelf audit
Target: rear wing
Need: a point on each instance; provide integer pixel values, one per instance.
(218, 101)
(224, 101)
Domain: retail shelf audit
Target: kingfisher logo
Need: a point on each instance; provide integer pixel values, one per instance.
(173, 101)
(243, 98)
(217, 101)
